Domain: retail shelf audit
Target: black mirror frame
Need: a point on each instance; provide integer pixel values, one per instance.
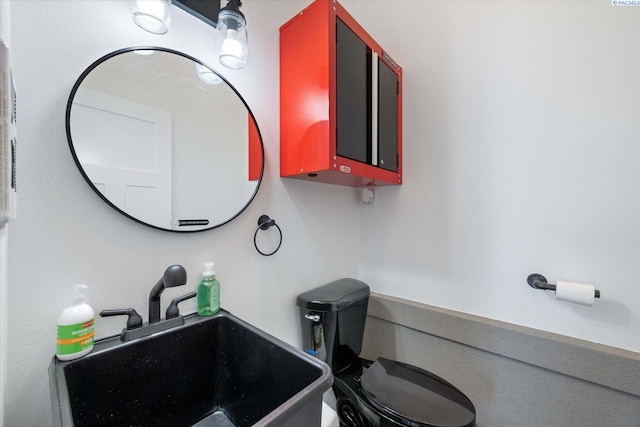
(77, 161)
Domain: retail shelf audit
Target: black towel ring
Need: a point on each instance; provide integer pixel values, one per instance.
(264, 222)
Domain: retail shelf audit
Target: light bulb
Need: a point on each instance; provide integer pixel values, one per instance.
(152, 15)
(231, 46)
(232, 39)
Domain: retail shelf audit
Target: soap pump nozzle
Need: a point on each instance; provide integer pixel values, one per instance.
(78, 294)
(208, 270)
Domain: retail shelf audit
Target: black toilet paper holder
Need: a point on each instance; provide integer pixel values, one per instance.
(538, 281)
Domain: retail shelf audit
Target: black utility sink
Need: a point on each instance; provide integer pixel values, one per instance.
(211, 371)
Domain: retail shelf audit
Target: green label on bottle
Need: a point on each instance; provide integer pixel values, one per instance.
(75, 338)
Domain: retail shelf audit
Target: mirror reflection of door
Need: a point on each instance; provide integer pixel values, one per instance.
(119, 115)
(126, 152)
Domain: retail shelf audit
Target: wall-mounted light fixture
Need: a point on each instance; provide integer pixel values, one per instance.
(232, 40)
(231, 27)
(232, 36)
(152, 15)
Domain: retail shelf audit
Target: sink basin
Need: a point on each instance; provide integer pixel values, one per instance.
(211, 371)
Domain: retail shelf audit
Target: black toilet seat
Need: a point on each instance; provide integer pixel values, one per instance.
(415, 397)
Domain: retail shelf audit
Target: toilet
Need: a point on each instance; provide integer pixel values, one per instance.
(374, 393)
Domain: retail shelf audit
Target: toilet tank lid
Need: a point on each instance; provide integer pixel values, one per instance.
(334, 296)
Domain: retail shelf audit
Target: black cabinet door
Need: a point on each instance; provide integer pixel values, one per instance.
(353, 92)
(387, 117)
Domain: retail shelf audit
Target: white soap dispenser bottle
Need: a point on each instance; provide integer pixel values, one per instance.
(75, 328)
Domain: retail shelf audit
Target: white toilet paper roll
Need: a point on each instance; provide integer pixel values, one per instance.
(580, 293)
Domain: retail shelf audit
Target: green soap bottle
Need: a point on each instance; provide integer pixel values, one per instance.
(208, 292)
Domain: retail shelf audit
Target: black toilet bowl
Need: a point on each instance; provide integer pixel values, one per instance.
(395, 394)
(380, 393)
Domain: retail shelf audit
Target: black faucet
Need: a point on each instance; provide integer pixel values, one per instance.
(175, 275)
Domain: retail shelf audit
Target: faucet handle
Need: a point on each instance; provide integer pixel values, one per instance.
(172, 310)
(133, 322)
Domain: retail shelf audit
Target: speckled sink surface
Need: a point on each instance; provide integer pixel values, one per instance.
(213, 371)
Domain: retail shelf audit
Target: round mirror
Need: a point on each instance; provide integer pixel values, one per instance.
(164, 139)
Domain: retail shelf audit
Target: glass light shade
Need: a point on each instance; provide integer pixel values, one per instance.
(232, 39)
(152, 15)
(207, 75)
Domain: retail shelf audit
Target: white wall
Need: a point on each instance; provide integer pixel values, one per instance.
(4, 242)
(521, 156)
(5, 34)
(65, 234)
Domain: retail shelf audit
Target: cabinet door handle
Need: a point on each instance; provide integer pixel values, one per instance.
(374, 108)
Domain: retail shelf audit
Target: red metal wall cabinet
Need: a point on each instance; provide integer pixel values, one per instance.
(333, 73)
(255, 151)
